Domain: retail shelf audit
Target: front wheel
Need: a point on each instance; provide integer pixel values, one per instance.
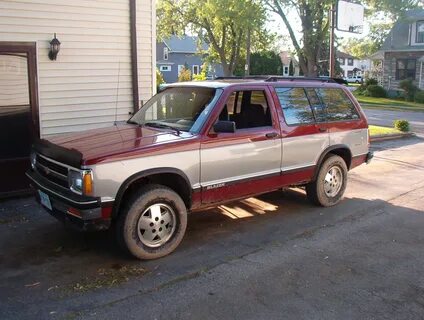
(328, 188)
(152, 223)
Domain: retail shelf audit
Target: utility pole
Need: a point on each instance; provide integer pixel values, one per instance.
(332, 49)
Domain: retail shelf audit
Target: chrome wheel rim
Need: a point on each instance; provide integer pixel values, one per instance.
(333, 181)
(156, 225)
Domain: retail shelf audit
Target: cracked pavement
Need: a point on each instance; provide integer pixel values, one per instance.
(270, 257)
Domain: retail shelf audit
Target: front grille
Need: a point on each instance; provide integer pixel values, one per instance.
(52, 171)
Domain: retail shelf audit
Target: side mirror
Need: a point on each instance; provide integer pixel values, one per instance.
(225, 127)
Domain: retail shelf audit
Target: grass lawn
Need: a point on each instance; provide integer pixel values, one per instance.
(386, 103)
(377, 130)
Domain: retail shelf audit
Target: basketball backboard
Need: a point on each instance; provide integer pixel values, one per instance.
(350, 16)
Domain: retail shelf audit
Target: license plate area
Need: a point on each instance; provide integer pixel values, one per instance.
(45, 200)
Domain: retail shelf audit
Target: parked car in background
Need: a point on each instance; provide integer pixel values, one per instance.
(200, 144)
(354, 79)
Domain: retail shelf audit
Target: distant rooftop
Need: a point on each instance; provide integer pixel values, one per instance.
(344, 55)
(185, 44)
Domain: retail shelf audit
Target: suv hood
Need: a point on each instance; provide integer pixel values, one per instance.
(113, 142)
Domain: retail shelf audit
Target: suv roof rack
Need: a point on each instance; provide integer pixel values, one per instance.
(278, 78)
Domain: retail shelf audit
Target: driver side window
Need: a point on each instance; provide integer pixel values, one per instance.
(248, 109)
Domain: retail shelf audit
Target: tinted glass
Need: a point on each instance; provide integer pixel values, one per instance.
(339, 106)
(295, 104)
(14, 106)
(315, 102)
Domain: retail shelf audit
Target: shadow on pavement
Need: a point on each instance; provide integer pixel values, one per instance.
(37, 249)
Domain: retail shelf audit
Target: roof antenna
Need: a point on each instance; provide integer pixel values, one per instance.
(117, 93)
(116, 103)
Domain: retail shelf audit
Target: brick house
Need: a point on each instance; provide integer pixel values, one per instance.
(402, 54)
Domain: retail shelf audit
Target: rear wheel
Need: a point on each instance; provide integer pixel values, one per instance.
(152, 223)
(330, 184)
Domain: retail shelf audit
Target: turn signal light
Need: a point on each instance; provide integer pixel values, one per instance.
(87, 183)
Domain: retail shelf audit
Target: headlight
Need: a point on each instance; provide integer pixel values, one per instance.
(81, 182)
(33, 159)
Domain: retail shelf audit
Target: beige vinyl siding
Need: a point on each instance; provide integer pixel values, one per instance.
(90, 82)
(146, 45)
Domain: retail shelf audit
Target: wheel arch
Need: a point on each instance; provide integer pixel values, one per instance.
(340, 150)
(170, 177)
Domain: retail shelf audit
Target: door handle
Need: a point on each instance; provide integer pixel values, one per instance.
(271, 135)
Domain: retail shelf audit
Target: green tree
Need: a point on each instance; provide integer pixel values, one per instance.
(203, 73)
(265, 63)
(159, 78)
(223, 24)
(363, 48)
(185, 75)
(314, 19)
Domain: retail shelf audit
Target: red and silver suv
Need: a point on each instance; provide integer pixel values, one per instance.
(199, 144)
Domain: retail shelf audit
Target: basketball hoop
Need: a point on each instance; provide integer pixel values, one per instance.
(349, 16)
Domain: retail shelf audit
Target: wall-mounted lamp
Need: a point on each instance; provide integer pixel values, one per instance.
(54, 48)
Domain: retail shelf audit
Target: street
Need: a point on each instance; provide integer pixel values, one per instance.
(385, 118)
(274, 256)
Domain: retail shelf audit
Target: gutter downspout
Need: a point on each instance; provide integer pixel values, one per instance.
(134, 58)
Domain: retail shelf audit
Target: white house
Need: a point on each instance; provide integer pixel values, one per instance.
(105, 68)
(351, 65)
(287, 58)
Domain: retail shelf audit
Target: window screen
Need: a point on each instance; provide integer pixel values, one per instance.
(338, 105)
(405, 69)
(295, 104)
(420, 32)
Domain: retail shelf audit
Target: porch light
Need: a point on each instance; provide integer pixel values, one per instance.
(54, 48)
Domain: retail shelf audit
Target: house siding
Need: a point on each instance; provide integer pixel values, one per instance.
(90, 81)
(389, 75)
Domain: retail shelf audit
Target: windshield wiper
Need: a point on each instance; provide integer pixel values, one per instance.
(162, 126)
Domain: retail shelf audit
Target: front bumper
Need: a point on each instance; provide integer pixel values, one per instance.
(80, 212)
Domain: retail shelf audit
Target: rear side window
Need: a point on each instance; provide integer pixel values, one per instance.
(339, 106)
(295, 104)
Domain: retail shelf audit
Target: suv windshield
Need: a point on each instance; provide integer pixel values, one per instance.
(179, 108)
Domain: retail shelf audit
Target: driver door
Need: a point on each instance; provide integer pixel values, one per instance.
(248, 161)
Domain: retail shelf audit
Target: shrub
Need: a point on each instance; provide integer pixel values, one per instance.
(185, 75)
(361, 90)
(159, 79)
(203, 74)
(419, 97)
(375, 91)
(402, 125)
(371, 82)
(410, 89)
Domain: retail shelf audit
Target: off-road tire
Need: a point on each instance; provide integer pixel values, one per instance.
(315, 189)
(127, 222)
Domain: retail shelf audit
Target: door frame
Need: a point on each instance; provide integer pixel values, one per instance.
(30, 48)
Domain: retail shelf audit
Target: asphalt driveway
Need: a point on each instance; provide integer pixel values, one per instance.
(270, 257)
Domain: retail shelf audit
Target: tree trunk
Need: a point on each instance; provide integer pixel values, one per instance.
(247, 67)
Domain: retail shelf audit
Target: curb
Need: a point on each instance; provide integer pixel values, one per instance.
(384, 137)
(391, 108)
